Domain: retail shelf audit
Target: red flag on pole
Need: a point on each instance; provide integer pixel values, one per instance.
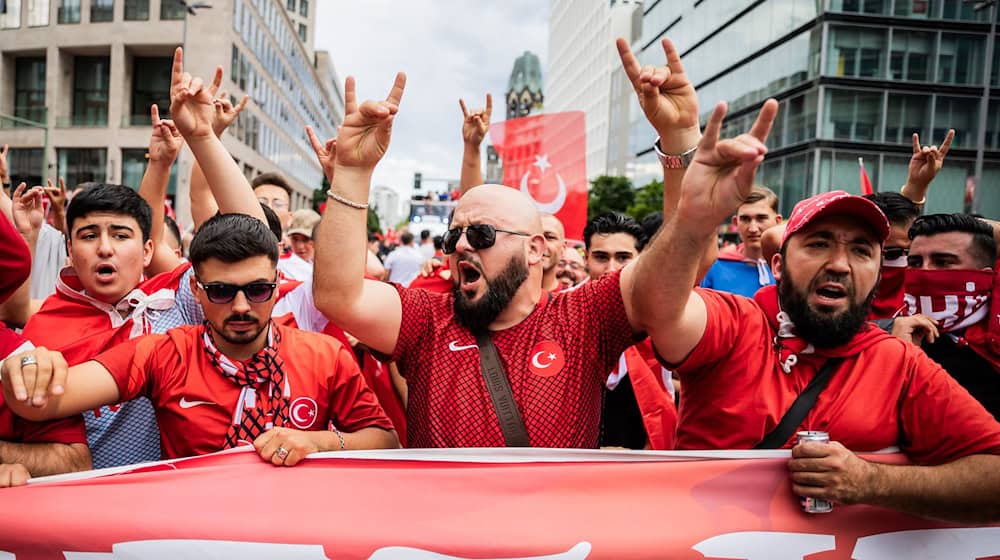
(866, 184)
(545, 157)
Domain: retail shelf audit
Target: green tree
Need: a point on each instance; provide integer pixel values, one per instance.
(648, 199)
(609, 194)
(373, 223)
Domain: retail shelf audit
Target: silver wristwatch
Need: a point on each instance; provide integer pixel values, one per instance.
(681, 161)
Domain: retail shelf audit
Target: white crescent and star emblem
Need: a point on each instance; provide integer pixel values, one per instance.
(302, 412)
(554, 205)
(535, 360)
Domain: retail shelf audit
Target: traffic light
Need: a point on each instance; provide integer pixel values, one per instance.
(416, 181)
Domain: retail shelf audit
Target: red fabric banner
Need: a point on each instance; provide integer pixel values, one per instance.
(866, 184)
(453, 504)
(545, 156)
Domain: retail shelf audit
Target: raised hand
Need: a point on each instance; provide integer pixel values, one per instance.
(191, 103)
(364, 137)
(666, 96)
(28, 211)
(476, 123)
(326, 154)
(225, 111)
(166, 141)
(57, 195)
(721, 175)
(928, 160)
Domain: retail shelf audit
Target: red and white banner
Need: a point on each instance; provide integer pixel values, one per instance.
(455, 504)
(545, 156)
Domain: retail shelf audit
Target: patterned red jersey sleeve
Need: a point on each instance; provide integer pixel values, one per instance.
(134, 364)
(728, 316)
(15, 259)
(418, 310)
(600, 303)
(941, 421)
(353, 405)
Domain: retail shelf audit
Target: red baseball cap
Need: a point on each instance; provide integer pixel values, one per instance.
(837, 202)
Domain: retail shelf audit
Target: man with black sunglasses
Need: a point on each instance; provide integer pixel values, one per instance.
(239, 379)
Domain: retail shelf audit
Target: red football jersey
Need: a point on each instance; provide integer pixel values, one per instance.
(886, 394)
(556, 359)
(194, 401)
(18, 430)
(15, 260)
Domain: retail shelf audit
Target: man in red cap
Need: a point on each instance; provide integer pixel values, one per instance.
(744, 362)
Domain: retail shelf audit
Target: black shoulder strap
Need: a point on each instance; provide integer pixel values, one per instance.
(511, 424)
(792, 419)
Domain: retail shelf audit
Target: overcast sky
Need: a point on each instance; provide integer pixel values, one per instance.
(448, 49)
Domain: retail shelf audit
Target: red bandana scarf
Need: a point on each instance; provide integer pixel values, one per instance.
(888, 300)
(255, 412)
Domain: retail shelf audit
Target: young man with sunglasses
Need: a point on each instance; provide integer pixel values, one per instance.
(239, 379)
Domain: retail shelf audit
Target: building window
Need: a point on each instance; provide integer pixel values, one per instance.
(26, 165)
(38, 13)
(853, 115)
(304, 8)
(90, 91)
(860, 6)
(102, 10)
(79, 165)
(68, 12)
(136, 10)
(856, 52)
(150, 84)
(291, 6)
(960, 60)
(12, 18)
(907, 114)
(959, 9)
(302, 32)
(134, 166)
(910, 57)
(29, 89)
(960, 113)
(171, 9)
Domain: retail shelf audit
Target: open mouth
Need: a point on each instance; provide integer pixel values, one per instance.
(830, 293)
(105, 272)
(468, 275)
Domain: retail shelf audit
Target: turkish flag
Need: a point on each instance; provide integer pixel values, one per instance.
(866, 184)
(545, 156)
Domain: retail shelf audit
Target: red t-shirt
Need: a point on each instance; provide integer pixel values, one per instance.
(557, 359)
(16, 429)
(888, 393)
(15, 259)
(194, 401)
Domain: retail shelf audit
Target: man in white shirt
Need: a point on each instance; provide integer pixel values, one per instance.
(404, 263)
(299, 265)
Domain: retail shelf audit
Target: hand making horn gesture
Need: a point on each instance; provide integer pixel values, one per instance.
(166, 141)
(364, 137)
(476, 124)
(326, 153)
(928, 160)
(666, 96)
(721, 175)
(191, 102)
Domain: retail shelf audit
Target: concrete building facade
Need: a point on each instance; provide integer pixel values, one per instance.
(89, 70)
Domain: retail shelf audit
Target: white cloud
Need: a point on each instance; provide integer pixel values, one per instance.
(448, 49)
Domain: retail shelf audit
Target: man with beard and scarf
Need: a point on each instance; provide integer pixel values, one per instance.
(743, 362)
(239, 379)
(951, 300)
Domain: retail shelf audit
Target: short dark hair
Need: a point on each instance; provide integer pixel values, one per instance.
(651, 225)
(760, 193)
(112, 199)
(273, 221)
(232, 238)
(175, 230)
(406, 238)
(424, 235)
(438, 242)
(613, 222)
(900, 210)
(276, 179)
(983, 247)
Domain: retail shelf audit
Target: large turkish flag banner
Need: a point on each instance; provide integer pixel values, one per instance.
(545, 156)
(446, 504)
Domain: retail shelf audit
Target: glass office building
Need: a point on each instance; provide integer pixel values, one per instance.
(854, 78)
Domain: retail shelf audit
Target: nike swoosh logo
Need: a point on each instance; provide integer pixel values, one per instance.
(454, 347)
(188, 404)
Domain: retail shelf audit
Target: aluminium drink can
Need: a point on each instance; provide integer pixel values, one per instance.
(814, 505)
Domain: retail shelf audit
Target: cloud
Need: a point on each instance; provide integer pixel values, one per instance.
(448, 49)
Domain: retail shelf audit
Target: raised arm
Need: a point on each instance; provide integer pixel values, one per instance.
(49, 389)
(203, 204)
(192, 105)
(27, 213)
(57, 197)
(717, 182)
(924, 166)
(369, 310)
(164, 145)
(475, 124)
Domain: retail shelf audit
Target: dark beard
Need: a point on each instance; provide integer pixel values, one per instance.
(820, 329)
(477, 316)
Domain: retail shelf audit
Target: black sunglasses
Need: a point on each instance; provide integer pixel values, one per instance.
(893, 253)
(480, 236)
(221, 292)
